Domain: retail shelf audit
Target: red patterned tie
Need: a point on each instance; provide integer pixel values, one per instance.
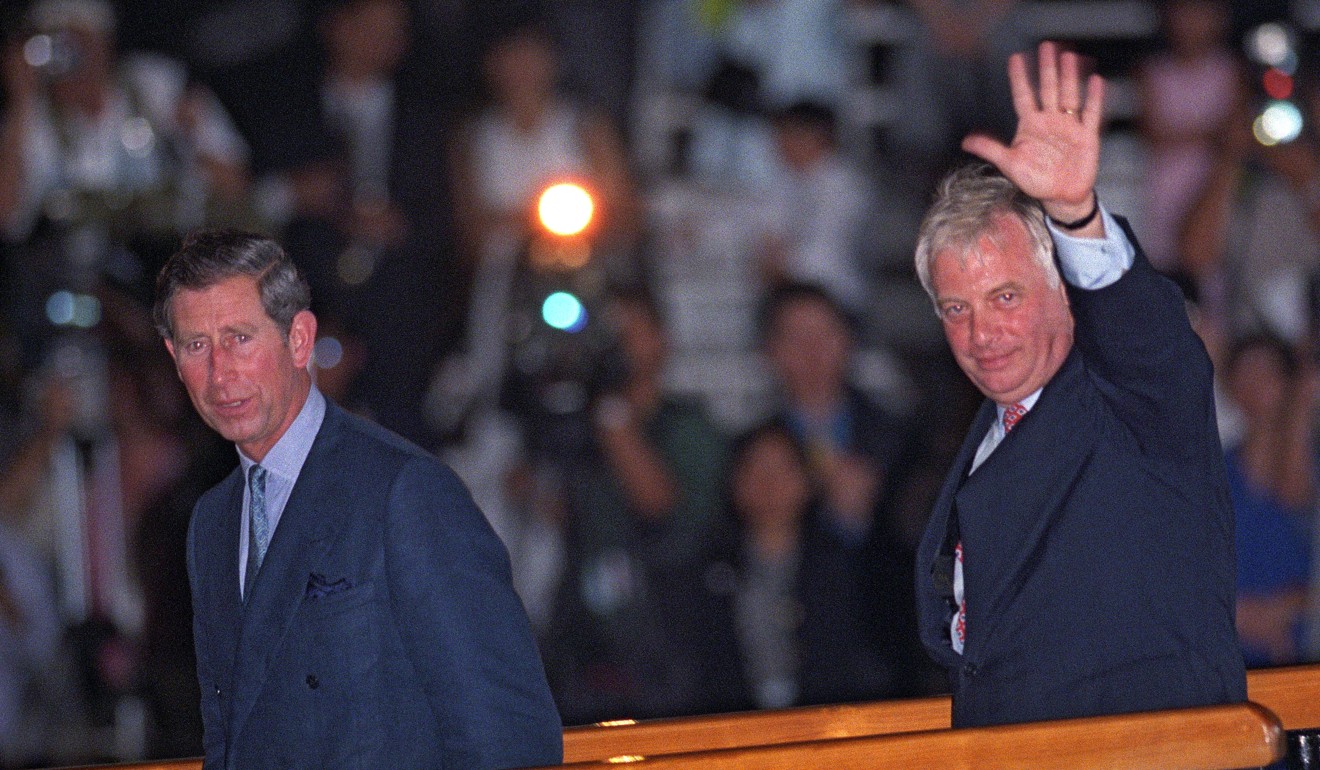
(1011, 416)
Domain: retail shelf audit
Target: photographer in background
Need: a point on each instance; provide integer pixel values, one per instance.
(642, 505)
(104, 159)
(31, 654)
(84, 121)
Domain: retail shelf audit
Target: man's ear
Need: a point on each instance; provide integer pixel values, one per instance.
(302, 338)
(169, 346)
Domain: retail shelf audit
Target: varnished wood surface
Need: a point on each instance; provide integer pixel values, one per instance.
(722, 731)
(1209, 738)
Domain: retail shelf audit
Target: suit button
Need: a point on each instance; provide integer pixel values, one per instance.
(313, 682)
(970, 669)
(217, 692)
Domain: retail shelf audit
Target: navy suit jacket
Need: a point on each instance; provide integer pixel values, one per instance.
(1098, 536)
(382, 630)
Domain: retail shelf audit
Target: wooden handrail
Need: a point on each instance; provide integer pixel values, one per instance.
(1292, 693)
(1206, 738)
(754, 728)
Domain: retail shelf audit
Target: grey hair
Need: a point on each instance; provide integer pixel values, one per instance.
(967, 204)
(209, 257)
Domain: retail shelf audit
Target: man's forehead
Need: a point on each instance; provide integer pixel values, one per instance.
(807, 315)
(231, 287)
(233, 300)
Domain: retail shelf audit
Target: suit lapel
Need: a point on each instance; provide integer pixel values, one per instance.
(1006, 506)
(218, 535)
(308, 526)
(934, 605)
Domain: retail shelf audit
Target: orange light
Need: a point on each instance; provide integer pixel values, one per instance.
(565, 208)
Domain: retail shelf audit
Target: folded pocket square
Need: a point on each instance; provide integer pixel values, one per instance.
(319, 585)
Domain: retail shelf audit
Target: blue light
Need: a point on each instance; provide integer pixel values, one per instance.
(565, 312)
(86, 311)
(327, 352)
(60, 308)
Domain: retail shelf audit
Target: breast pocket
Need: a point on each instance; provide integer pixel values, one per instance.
(322, 599)
(339, 670)
(340, 639)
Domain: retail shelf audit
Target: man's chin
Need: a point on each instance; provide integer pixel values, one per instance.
(230, 430)
(1001, 393)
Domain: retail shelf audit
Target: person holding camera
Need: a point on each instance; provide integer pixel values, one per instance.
(125, 142)
(641, 505)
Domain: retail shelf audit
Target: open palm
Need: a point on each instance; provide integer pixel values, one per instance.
(1055, 153)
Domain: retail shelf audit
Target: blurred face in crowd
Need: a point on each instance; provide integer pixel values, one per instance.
(522, 68)
(641, 337)
(770, 483)
(1008, 327)
(1196, 27)
(368, 38)
(801, 145)
(246, 378)
(809, 346)
(84, 87)
(1258, 381)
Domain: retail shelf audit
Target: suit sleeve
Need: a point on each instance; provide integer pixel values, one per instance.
(1142, 352)
(213, 735)
(464, 628)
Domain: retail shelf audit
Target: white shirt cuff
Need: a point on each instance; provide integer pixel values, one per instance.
(1094, 263)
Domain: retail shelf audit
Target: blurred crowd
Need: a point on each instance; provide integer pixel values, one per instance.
(677, 555)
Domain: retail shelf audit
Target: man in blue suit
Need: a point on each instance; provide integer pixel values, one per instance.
(1079, 558)
(352, 607)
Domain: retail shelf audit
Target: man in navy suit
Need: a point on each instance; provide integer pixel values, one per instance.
(1079, 559)
(352, 607)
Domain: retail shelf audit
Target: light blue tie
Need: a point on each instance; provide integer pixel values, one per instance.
(258, 526)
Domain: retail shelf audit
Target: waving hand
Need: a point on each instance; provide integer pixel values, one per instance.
(1055, 153)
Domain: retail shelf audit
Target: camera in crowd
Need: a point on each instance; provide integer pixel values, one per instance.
(564, 355)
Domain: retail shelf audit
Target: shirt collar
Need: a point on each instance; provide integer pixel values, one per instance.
(1027, 403)
(286, 458)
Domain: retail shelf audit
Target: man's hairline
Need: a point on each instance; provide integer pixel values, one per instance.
(256, 280)
(965, 249)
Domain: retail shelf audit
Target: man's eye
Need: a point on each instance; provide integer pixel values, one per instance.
(951, 311)
(195, 346)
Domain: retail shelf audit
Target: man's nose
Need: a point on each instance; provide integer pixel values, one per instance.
(221, 364)
(984, 329)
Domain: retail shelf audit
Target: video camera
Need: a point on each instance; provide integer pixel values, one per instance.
(563, 355)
